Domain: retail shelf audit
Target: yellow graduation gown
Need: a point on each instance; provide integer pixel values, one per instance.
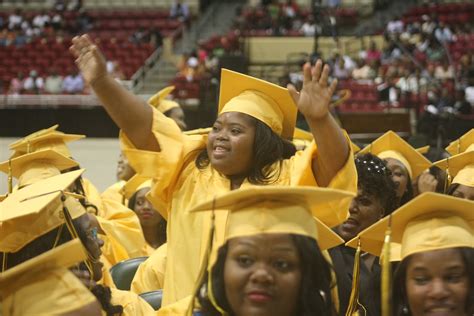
(179, 184)
(133, 305)
(151, 273)
(113, 193)
(52, 292)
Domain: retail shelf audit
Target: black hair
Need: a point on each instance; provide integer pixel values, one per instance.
(45, 243)
(400, 306)
(453, 187)
(268, 148)
(408, 194)
(316, 283)
(375, 179)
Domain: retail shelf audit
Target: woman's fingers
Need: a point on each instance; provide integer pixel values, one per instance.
(323, 81)
(317, 70)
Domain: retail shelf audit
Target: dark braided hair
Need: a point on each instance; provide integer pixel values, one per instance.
(268, 148)
(375, 179)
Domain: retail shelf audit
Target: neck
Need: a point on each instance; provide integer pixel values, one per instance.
(236, 182)
(153, 236)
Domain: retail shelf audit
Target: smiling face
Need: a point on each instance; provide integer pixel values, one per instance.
(230, 144)
(124, 170)
(365, 210)
(437, 283)
(262, 275)
(399, 175)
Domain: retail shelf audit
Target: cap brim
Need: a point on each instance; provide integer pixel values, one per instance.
(391, 141)
(34, 135)
(132, 185)
(51, 156)
(23, 143)
(460, 145)
(199, 131)
(316, 198)
(455, 163)
(372, 238)
(160, 95)
(65, 255)
(35, 197)
(327, 238)
(234, 83)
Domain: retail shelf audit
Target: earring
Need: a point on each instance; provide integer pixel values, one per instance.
(405, 310)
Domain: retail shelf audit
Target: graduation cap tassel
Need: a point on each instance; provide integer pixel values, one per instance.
(4, 261)
(10, 178)
(353, 306)
(386, 272)
(448, 180)
(204, 268)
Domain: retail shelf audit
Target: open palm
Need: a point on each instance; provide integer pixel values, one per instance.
(315, 96)
(89, 59)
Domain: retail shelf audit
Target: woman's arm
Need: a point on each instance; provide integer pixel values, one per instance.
(313, 102)
(132, 114)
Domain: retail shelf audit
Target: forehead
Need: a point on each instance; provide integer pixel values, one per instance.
(142, 192)
(266, 240)
(235, 118)
(436, 259)
(393, 164)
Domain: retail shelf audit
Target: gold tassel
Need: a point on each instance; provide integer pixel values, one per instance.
(386, 272)
(353, 307)
(4, 262)
(10, 178)
(204, 268)
(448, 180)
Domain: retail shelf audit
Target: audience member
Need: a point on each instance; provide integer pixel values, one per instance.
(73, 83)
(53, 83)
(34, 83)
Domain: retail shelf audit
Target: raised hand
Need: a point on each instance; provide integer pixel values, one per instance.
(315, 96)
(89, 59)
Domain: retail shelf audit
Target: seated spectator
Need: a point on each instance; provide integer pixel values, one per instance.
(34, 83)
(139, 36)
(113, 67)
(60, 5)
(363, 71)
(155, 37)
(309, 28)
(74, 5)
(73, 83)
(373, 53)
(15, 19)
(444, 71)
(434, 52)
(41, 19)
(53, 83)
(460, 103)
(83, 22)
(57, 22)
(179, 11)
(469, 92)
(17, 84)
(428, 25)
(394, 26)
(341, 71)
(443, 33)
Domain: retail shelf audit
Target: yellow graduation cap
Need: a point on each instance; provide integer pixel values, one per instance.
(159, 101)
(260, 99)
(390, 145)
(277, 209)
(461, 144)
(135, 184)
(23, 287)
(36, 209)
(424, 149)
(37, 165)
(45, 139)
(199, 131)
(431, 221)
(460, 167)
